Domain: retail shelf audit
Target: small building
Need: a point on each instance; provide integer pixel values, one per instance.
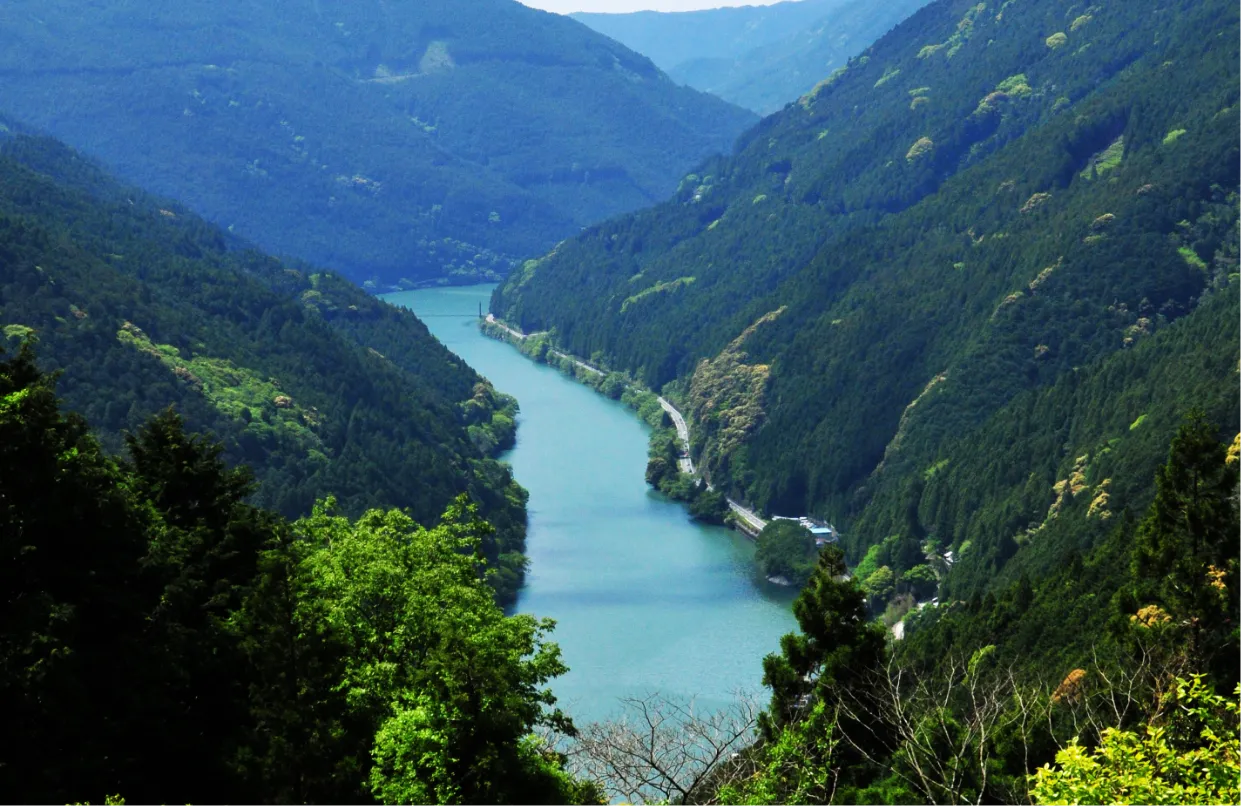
(823, 535)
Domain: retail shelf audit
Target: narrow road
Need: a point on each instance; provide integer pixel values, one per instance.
(517, 334)
(685, 463)
(747, 515)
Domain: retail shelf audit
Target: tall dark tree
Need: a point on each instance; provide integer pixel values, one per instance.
(71, 597)
(204, 560)
(837, 647)
(1186, 547)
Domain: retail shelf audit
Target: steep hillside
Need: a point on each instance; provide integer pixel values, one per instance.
(988, 203)
(388, 140)
(773, 74)
(320, 387)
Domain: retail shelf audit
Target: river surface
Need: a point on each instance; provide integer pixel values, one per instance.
(645, 599)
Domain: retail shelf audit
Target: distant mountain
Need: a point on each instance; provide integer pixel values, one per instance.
(321, 388)
(671, 39)
(389, 140)
(968, 283)
(758, 57)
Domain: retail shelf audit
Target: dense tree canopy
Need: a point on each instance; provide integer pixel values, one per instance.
(968, 285)
(164, 640)
(319, 387)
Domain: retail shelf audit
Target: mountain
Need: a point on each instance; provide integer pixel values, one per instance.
(388, 140)
(758, 57)
(672, 38)
(992, 260)
(769, 76)
(321, 388)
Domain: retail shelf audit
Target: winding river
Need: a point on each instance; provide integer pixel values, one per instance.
(644, 598)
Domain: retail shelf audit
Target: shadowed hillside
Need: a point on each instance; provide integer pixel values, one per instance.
(388, 140)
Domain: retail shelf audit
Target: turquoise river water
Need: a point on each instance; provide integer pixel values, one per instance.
(645, 599)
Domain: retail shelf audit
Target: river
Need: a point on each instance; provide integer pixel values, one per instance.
(645, 599)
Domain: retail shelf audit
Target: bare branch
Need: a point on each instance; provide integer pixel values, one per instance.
(663, 749)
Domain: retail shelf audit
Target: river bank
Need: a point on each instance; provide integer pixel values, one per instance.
(537, 347)
(645, 599)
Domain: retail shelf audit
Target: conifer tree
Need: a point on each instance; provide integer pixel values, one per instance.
(837, 647)
(1186, 546)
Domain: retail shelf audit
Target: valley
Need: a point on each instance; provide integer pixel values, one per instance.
(451, 401)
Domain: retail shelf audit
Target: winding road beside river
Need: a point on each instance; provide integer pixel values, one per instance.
(749, 517)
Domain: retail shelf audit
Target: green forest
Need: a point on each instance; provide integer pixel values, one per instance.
(969, 284)
(319, 387)
(164, 640)
(400, 143)
(974, 299)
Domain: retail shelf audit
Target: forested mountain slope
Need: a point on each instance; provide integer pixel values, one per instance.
(163, 640)
(320, 387)
(389, 140)
(990, 203)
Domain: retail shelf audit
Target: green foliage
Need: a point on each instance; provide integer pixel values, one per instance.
(832, 655)
(318, 386)
(455, 682)
(786, 549)
(658, 288)
(795, 768)
(1188, 542)
(889, 359)
(1191, 755)
(17, 332)
(1172, 136)
(164, 638)
(438, 141)
(1191, 257)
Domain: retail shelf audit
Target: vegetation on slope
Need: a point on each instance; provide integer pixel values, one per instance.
(786, 549)
(392, 141)
(954, 274)
(164, 641)
(1142, 707)
(774, 74)
(318, 386)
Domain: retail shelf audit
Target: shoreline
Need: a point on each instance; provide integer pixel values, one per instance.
(742, 519)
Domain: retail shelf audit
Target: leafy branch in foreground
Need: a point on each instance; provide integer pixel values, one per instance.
(1189, 754)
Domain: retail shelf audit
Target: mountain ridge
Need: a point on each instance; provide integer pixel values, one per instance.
(1050, 201)
(389, 141)
(320, 387)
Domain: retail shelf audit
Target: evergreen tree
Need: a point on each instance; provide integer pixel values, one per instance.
(71, 597)
(1186, 546)
(836, 649)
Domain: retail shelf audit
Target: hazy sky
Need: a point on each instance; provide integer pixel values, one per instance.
(566, 6)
